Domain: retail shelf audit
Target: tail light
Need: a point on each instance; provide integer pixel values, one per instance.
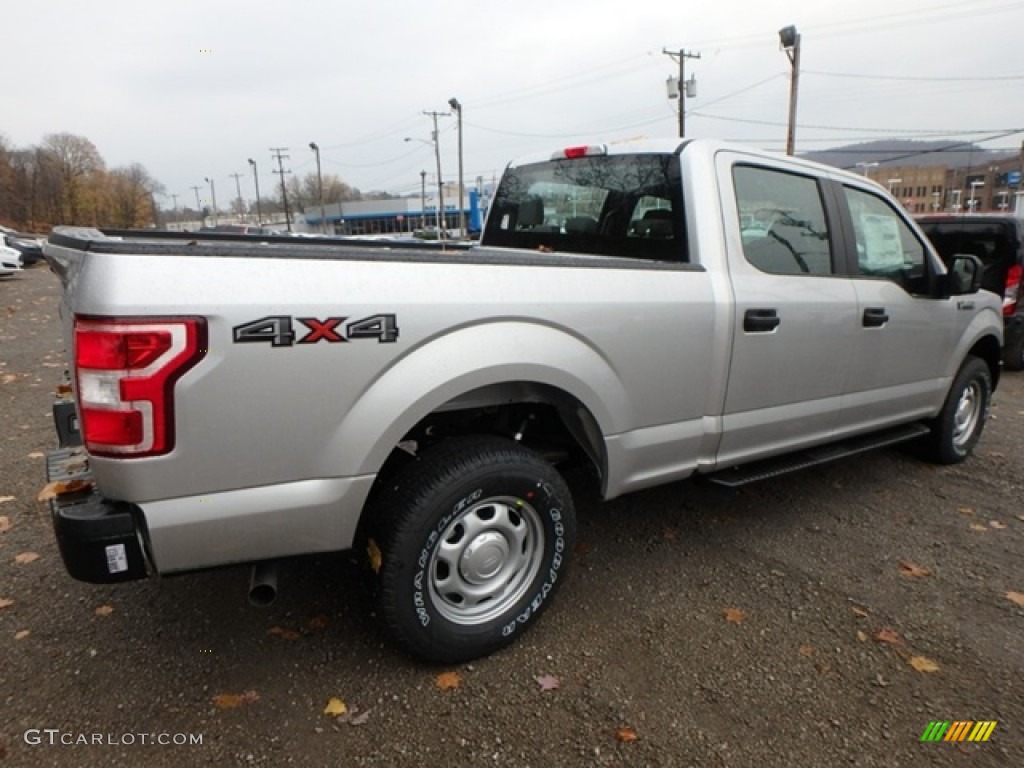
(126, 370)
(1012, 293)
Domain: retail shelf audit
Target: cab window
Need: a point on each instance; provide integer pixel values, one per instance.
(782, 222)
(886, 246)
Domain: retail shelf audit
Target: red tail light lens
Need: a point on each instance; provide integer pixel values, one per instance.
(126, 370)
(1011, 295)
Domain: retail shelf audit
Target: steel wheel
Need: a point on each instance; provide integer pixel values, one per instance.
(968, 412)
(487, 558)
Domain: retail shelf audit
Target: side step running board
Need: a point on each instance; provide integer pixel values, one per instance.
(780, 465)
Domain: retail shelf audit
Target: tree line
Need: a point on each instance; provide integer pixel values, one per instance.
(64, 180)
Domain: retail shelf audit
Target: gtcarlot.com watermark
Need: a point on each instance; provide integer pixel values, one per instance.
(54, 737)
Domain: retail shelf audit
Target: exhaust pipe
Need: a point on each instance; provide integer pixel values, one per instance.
(263, 584)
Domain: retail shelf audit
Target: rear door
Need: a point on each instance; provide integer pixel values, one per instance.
(905, 333)
(795, 311)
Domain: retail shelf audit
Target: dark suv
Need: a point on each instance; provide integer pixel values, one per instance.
(998, 240)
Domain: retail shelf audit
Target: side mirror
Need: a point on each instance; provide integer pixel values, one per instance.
(964, 275)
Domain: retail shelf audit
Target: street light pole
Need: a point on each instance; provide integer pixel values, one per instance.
(320, 185)
(790, 40)
(457, 108)
(256, 178)
(213, 198)
(199, 206)
(891, 183)
(423, 199)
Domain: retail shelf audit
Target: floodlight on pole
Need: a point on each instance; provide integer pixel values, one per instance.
(256, 178)
(320, 185)
(457, 109)
(789, 38)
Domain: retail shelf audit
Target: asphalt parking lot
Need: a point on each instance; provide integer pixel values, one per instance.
(820, 619)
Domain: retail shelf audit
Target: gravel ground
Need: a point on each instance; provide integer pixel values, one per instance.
(718, 627)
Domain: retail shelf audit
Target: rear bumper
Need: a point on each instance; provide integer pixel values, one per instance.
(100, 540)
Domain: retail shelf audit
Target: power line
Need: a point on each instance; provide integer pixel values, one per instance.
(916, 79)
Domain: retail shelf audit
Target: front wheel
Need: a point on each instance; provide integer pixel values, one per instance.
(474, 539)
(958, 426)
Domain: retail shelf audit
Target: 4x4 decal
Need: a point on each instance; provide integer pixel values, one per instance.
(277, 330)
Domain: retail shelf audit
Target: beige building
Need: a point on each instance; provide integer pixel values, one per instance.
(986, 187)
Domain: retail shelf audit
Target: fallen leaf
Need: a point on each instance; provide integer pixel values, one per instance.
(734, 615)
(1017, 597)
(1021, 518)
(5, 524)
(6, 498)
(36, 455)
(965, 511)
(10, 377)
(61, 487)
(626, 735)
(335, 707)
(996, 524)
(63, 389)
(359, 719)
(374, 556)
(353, 716)
(26, 557)
(912, 571)
(21, 634)
(320, 621)
(235, 700)
(807, 650)
(860, 613)
(671, 534)
(923, 664)
(548, 682)
(6, 602)
(978, 528)
(886, 635)
(447, 680)
(283, 633)
(861, 636)
(104, 610)
(582, 548)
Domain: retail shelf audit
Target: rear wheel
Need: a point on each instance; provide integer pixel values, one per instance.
(1013, 354)
(959, 424)
(473, 541)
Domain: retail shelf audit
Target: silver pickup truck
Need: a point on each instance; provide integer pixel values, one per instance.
(653, 310)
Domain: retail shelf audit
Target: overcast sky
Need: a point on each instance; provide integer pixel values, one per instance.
(192, 89)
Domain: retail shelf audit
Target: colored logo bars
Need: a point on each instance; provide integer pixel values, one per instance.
(958, 730)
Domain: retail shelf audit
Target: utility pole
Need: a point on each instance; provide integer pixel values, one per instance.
(213, 198)
(174, 199)
(441, 223)
(423, 199)
(320, 184)
(238, 188)
(789, 38)
(284, 192)
(680, 57)
(256, 178)
(199, 206)
(457, 108)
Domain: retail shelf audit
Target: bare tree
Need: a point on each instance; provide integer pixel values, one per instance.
(69, 160)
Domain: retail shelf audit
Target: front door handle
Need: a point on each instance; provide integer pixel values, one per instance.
(760, 320)
(875, 317)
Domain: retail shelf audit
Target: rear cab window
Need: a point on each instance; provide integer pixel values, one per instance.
(613, 205)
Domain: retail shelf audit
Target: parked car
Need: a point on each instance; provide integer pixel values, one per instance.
(30, 248)
(10, 261)
(998, 240)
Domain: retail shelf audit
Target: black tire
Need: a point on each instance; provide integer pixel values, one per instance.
(474, 539)
(1013, 354)
(957, 428)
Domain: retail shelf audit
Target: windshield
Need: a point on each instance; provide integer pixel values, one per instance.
(626, 205)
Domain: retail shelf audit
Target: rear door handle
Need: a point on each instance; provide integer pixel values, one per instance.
(760, 320)
(875, 317)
